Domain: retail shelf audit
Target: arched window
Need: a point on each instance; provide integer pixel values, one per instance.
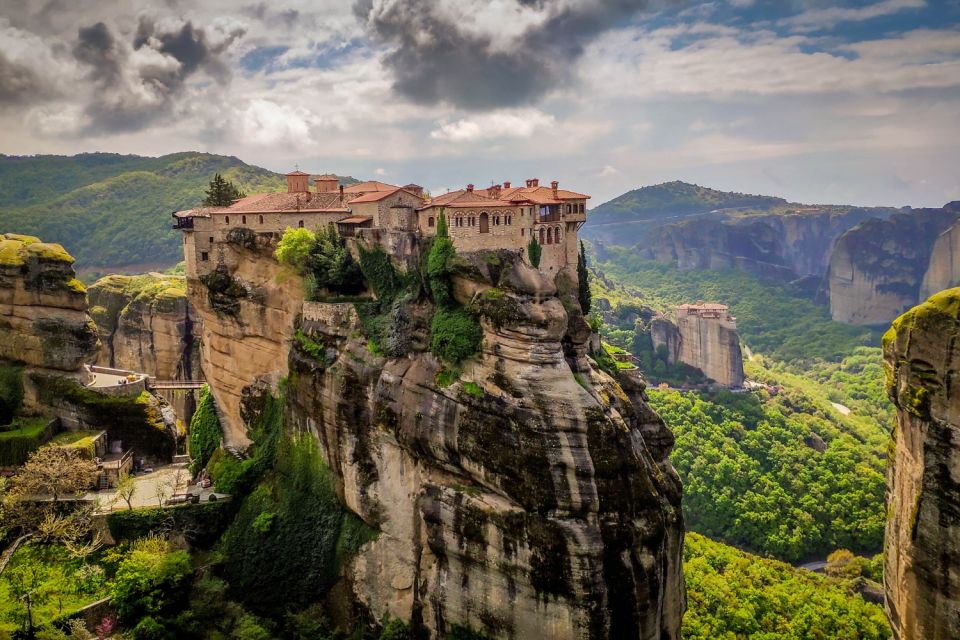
(556, 235)
(243, 219)
(569, 209)
(261, 219)
(430, 221)
(300, 224)
(226, 219)
(484, 223)
(542, 232)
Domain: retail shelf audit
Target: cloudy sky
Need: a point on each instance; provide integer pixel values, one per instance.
(854, 102)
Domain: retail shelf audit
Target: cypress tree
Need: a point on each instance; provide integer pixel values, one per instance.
(534, 251)
(583, 282)
(221, 193)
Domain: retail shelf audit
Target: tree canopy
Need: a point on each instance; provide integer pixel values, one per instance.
(221, 192)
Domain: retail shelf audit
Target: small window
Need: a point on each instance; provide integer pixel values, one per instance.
(204, 256)
(430, 221)
(523, 232)
(569, 209)
(261, 219)
(211, 239)
(226, 219)
(243, 219)
(582, 205)
(300, 224)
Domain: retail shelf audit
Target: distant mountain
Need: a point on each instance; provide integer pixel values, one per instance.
(110, 211)
(675, 200)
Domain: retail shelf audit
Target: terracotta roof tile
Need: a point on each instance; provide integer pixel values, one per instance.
(369, 185)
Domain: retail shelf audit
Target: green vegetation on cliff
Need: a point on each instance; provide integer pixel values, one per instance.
(775, 474)
(732, 594)
(205, 430)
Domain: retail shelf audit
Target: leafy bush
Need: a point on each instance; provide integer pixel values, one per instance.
(456, 335)
(205, 432)
(438, 264)
(295, 247)
(150, 580)
(332, 265)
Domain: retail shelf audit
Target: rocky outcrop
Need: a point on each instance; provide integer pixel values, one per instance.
(533, 496)
(876, 268)
(704, 339)
(522, 500)
(922, 544)
(781, 245)
(43, 317)
(943, 270)
(247, 306)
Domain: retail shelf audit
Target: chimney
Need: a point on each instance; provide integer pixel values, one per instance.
(470, 188)
(506, 184)
(533, 182)
(341, 195)
(554, 185)
(494, 191)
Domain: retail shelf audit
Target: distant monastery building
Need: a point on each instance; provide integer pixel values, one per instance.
(498, 217)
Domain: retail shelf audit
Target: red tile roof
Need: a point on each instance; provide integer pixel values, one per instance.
(297, 173)
(369, 185)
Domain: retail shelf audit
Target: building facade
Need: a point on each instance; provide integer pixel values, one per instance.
(498, 217)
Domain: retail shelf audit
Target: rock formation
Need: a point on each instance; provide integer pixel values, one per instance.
(943, 270)
(877, 267)
(146, 323)
(43, 309)
(922, 554)
(782, 245)
(531, 497)
(705, 337)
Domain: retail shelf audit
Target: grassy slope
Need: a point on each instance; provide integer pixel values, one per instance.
(112, 211)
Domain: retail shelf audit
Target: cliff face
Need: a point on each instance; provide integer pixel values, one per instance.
(43, 317)
(146, 323)
(709, 345)
(520, 499)
(877, 267)
(922, 555)
(943, 270)
(783, 245)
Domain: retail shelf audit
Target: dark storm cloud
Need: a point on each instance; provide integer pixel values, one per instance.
(131, 96)
(435, 60)
(20, 85)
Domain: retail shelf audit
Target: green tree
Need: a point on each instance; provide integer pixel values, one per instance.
(534, 251)
(438, 275)
(583, 282)
(204, 430)
(151, 580)
(221, 193)
(332, 264)
(295, 247)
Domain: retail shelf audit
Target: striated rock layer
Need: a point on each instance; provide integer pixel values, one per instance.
(877, 267)
(532, 497)
(943, 270)
(709, 344)
(781, 245)
(146, 323)
(922, 544)
(43, 317)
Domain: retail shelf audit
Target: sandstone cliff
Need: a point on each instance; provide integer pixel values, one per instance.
(943, 270)
(146, 323)
(922, 554)
(708, 344)
(531, 497)
(781, 245)
(876, 268)
(43, 317)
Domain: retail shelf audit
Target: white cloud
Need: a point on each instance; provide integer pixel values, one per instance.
(815, 18)
(514, 123)
(608, 170)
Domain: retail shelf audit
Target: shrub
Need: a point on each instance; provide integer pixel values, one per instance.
(331, 264)
(456, 335)
(149, 629)
(29, 434)
(294, 248)
(396, 629)
(205, 431)
(438, 265)
(201, 524)
(151, 580)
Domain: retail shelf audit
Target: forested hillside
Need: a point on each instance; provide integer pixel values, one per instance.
(112, 212)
